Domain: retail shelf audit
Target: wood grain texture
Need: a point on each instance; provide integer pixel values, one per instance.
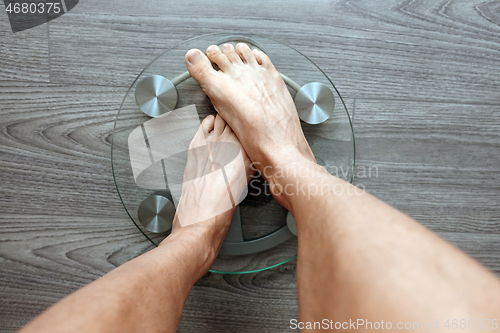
(436, 51)
(43, 258)
(55, 144)
(23, 55)
(439, 163)
(424, 77)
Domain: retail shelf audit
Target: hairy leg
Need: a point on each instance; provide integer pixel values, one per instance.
(147, 294)
(358, 257)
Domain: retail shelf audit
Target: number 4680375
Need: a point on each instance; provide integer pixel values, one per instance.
(33, 8)
(471, 323)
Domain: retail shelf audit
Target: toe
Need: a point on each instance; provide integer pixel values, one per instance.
(219, 58)
(207, 124)
(200, 138)
(245, 53)
(261, 57)
(219, 125)
(199, 66)
(228, 50)
(228, 130)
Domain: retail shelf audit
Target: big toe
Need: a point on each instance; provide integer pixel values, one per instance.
(199, 66)
(200, 138)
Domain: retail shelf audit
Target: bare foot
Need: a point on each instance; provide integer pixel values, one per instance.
(216, 174)
(253, 98)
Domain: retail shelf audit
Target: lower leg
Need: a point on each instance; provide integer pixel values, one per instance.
(360, 258)
(147, 294)
(357, 256)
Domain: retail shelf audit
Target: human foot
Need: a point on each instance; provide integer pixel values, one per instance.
(216, 174)
(251, 95)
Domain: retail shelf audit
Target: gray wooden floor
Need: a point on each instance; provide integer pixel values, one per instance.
(423, 78)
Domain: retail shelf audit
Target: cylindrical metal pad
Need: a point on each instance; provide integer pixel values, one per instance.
(156, 95)
(156, 213)
(315, 103)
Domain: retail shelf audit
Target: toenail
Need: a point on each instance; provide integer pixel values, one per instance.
(241, 45)
(211, 49)
(226, 47)
(193, 57)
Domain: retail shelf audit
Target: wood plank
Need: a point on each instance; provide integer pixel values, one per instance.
(383, 51)
(55, 149)
(24, 56)
(43, 258)
(262, 302)
(485, 248)
(440, 163)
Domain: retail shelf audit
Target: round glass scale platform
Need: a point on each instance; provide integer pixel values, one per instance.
(262, 233)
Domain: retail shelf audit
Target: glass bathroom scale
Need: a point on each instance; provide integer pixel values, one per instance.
(259, 237)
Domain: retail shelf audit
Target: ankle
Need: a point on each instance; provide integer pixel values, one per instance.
(200, 241)
(288, 174)
(278, 156)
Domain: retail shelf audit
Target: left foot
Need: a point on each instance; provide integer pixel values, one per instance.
(212, 187)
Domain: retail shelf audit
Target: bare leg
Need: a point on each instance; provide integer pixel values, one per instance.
(358, 257)
(148, 293)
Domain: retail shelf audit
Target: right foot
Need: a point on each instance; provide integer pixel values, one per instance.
(251, 96)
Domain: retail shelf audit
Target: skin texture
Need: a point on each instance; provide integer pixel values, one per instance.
(358, 258)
